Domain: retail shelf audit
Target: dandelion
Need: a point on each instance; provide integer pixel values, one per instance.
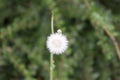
(57, 43)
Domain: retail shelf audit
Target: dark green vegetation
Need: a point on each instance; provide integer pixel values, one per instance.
(93, 30)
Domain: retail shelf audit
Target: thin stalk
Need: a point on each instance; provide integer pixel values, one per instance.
(52, 23)
(51, 55)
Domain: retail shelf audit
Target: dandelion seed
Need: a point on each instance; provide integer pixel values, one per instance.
(57, 43)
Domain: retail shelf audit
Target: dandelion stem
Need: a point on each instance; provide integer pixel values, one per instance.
(51, 55)
(52, 23)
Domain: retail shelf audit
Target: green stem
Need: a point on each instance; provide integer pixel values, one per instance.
(52, 23)
(51, 55)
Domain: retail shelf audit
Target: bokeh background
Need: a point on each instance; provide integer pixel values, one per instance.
(91, 26)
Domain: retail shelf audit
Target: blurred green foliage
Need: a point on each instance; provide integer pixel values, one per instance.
(89, 25)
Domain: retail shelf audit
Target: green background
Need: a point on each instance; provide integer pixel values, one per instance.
(91, 26)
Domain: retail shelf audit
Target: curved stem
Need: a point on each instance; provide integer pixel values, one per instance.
(52, 22)
(51, 55)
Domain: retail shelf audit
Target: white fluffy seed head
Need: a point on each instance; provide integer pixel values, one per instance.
(57, 43)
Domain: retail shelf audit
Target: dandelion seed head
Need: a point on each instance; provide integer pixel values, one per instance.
(57, 43)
